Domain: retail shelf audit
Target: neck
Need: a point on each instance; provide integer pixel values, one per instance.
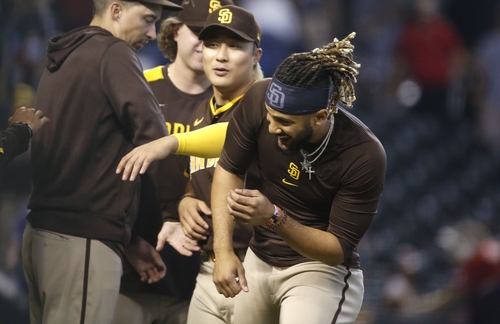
(321, 132)
(100, 22)
(223, 96)
(187, 80)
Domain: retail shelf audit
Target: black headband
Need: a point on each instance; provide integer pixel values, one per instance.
(292, 100)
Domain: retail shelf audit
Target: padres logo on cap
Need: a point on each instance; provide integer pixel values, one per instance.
(225, 16)
(275, 96)
(213, 5)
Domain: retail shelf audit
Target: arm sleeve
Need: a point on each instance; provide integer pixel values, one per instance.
(130, 95)
(206, 142)
(355, 204)
(13, 141)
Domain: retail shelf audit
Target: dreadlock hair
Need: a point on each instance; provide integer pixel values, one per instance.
(333, 63)
(166, 43)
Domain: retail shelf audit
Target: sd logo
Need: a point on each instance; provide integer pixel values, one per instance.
(225, 16)
(275, 96)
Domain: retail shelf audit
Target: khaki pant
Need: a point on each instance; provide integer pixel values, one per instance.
(207, 305)
(70, 279)
(145, 308)
(310, 292)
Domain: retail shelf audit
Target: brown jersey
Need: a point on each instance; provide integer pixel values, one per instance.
(342, 195)
(161, 187)
(178, 109)
(202, 170)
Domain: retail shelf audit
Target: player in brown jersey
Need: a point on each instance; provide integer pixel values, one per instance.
(179, 87)
(323, 172)
(230, 58)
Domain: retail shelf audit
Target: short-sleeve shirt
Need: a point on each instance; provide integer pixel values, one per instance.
(342, 195)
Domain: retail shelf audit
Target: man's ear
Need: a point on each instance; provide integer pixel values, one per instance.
(256, 55)
(115, 10)
(320, 116)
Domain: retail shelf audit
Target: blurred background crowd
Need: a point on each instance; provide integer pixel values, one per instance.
(429, 88)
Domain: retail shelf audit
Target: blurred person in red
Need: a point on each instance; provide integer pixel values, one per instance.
(475, 253)
(480, 282)
(431, 52)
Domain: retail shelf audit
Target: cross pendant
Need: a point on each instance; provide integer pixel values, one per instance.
(306, 165)
(309, 170)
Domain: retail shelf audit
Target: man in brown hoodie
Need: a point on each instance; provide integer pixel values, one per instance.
(81, 214)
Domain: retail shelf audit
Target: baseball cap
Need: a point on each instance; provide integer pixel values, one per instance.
(167, 5)
(238, 20)
(195, 12)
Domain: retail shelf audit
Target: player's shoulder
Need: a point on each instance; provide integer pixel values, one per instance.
(256, 92)
(261, 85)
(154, 74)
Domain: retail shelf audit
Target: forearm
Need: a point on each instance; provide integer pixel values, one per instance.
(223, 224)
(206, 142)
(312, 243)
(13, 141)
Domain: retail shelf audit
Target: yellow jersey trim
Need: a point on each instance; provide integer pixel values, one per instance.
(224, 108)
(1, 150)
(154, 74)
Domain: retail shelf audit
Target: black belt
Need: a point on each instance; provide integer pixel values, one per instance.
(209, 255)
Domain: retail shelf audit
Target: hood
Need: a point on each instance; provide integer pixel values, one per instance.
(60, 47)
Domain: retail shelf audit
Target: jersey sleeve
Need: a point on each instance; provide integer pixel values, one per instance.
(206, 142)
(355, 203)
(130, 95)
(241, 143)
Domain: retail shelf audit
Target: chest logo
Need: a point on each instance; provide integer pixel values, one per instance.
(294, 172)
(288, 183)
(198, 121)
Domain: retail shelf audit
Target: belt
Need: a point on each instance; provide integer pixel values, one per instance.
(209, 255)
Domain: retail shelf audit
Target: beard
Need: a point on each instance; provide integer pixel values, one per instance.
(298, 142)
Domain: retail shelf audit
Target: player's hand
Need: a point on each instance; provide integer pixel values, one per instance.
(145, 260)
(172, 233)
(193, 225)
(139, 159)
(34, 118)
(249, 207)
(229, 275)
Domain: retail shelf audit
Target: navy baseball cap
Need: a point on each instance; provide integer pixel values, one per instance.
(238, 20)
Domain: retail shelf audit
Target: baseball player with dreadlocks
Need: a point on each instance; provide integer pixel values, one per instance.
(323, 172)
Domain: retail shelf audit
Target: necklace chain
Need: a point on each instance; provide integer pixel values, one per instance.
(306, 164)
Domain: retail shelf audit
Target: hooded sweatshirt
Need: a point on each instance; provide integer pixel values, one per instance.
(100, 107)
